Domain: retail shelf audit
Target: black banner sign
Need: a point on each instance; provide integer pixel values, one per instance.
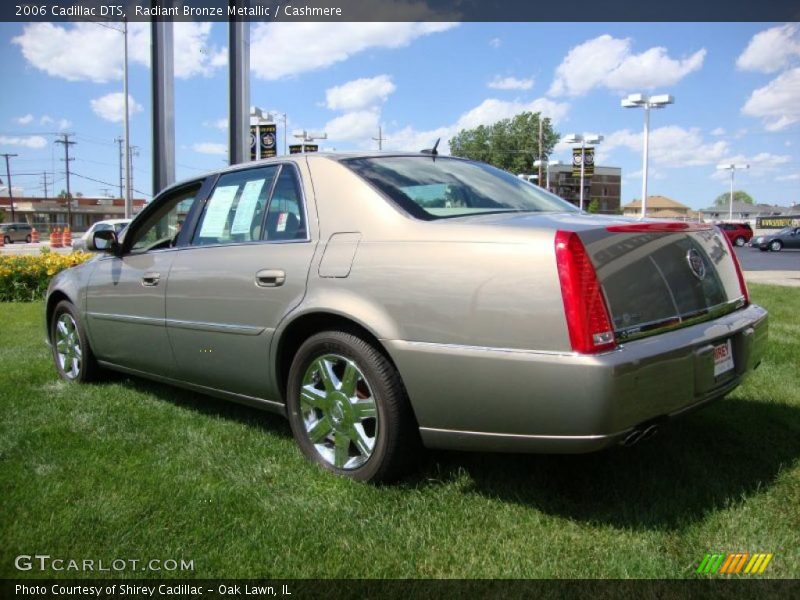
(588, 159)
(300, 148)
(777, 222)
(253, 142)
(268, 140)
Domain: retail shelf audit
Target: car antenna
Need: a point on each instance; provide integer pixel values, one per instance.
(432, 151)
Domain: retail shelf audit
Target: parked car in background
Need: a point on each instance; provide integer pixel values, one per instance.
(16, 232)
(117, 225)
(788, 237)
(411, 299)
(738, 233)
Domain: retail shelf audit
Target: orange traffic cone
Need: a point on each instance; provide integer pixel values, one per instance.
(55, 238)
(66, 237)
(2, 240)
(34, 236)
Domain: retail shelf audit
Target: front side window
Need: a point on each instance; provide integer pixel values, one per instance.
(444, 188)
(235, 211)
(285, 217)
(161, 227)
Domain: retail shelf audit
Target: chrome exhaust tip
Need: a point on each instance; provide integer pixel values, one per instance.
(632, 438)
(648, 433)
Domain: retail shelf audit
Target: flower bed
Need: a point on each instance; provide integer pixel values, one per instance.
(25, 277)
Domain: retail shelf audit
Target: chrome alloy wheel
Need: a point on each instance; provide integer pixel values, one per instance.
(338, 411)
(68, 346)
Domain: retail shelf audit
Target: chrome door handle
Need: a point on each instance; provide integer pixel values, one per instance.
(151, 279)
(270, 278)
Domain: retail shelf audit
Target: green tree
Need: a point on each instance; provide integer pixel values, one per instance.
(738, 196)
(511, 144)
(594, 206)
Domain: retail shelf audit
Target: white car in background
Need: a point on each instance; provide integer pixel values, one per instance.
(117, 225)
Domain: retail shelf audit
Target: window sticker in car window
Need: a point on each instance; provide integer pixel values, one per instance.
(248, 202)
(217, 211)
(282, 221)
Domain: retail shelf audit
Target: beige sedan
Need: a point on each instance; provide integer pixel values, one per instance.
(388, 302)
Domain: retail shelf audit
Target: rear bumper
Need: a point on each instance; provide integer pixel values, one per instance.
(491, 399)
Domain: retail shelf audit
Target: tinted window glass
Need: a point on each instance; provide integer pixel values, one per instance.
(436, 189)
(286, 217)
(235, 211)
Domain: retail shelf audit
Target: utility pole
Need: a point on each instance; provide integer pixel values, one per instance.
(380, 139)
(120, 141)
(44, 183)
(134, 152)
(8, 180)
(67, 143)
(539, 180)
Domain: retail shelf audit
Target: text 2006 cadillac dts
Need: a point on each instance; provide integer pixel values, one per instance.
(385, 301)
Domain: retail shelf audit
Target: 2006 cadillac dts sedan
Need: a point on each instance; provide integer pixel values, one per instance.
(384, 301)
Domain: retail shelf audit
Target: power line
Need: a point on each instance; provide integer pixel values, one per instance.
(8, 182)
(107, 183)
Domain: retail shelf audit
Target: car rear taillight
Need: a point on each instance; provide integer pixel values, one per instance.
(585, 307)
(739, 273)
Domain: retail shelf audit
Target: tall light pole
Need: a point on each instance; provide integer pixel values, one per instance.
(547, 164)
(310, 136)
(128, 202)
(732, 168)
(583, 139)
(646, 102)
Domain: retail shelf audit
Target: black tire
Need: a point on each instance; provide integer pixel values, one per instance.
(88, 369)
(763, 249)
(7, 240)
(28, 239)
(395, 432)
(739, 241)
(775, 246)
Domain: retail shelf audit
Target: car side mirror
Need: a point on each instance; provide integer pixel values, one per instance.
(105, 241)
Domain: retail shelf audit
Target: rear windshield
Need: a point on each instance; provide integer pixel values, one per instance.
(444, 188)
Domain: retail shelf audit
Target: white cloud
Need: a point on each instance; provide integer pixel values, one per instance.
(284, 49)
(360, 93)
(778, 102)
(88, 52)
(46, 120)
(221, 124)
(608, 62)
(495, 42)
(64, 124)
(771, 50)
(790, 177)
(718, 131)
(358, 125)
(30, 141)
(761, 164)
(210, 148)
(670, 146)
(111, 107)
(25, 120)
(510, 83)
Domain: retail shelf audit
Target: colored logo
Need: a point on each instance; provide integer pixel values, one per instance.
(734, 563)
(696, 264)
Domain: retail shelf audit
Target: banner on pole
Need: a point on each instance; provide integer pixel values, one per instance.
(585, 155)
(267, 139)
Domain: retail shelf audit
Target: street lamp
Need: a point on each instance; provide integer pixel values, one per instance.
(732, 168)
(547, 164)
(646, 102)
(309, 136)
(271, 116)
(583, 139)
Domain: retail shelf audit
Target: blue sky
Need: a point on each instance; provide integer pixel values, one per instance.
(737, 89)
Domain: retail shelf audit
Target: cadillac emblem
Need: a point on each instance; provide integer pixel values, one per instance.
(696, 264)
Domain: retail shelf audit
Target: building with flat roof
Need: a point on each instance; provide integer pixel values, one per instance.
(605, 186)
(46, 213)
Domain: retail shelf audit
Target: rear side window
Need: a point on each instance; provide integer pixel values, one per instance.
(235, 211)
(444, 188)
(286, 217)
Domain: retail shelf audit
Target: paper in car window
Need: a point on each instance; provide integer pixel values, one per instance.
(217, 212)
(246, 208)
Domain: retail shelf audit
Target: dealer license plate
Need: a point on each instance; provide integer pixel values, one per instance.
(723, 358)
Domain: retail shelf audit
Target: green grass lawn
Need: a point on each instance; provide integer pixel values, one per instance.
(137, 470)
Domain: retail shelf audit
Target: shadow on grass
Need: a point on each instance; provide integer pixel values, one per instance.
(701, 463)
(209, 405)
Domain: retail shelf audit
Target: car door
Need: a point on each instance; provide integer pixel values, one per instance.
(793, 241)
(245, 269)
(125, 297)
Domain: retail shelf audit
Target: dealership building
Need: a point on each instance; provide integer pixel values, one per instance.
(604, 186)
(47, 213)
